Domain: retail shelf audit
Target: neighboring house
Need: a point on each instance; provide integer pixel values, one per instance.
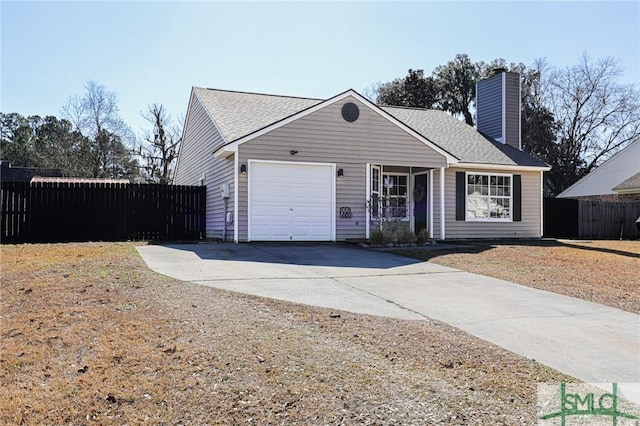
(629, 186)
(280, 168)
(41, 179)
(9, 173)
(617, 175)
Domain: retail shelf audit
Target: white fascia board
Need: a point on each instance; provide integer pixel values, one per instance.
(226, 151)
(184, 128)
(627, 191)
(500, 167)
(233, 146)
(213, 121)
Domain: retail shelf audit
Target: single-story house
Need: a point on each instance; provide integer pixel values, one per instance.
(619, 175)
(629, 186)
(282, 168)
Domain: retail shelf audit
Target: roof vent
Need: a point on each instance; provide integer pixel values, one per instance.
(350, 112)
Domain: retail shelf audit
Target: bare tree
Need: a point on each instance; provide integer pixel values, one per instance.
(160, 150)
(95, 114)
(597, 116)
(371, 91)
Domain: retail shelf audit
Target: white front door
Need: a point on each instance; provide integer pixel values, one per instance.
(291, 201)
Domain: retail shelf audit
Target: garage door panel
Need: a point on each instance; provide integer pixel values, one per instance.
(303, 192)
(320, 212)
(291, 201)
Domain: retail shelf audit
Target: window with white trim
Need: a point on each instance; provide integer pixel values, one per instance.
(389, 195)
(394, 196)
(489, 197)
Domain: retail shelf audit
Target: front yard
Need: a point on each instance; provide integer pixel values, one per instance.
(605, 272)
(91, 336)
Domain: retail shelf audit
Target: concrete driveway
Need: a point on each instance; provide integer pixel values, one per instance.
(590, 342)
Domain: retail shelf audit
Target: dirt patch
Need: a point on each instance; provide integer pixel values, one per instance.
(605, 272)
(91, 336)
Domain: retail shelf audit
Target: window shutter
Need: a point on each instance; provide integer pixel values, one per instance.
(517, 198)
(460, 195)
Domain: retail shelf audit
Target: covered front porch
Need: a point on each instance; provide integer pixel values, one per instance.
(405, 195)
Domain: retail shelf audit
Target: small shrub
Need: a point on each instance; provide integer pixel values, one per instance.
(406, 237)
(380, 237)
(423, 236)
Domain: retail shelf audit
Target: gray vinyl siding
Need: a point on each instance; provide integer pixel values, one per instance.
(529, 227)
(489, 106)
(512, 110)
(201, 138)
(325, 137)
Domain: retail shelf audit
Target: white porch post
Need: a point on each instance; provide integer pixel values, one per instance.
(442, 233)
(367, 199)
(430, 203)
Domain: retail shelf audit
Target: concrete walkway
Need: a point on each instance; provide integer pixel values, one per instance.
(590, 342)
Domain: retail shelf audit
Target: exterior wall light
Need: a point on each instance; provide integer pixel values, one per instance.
(243, 169)
(340, 173)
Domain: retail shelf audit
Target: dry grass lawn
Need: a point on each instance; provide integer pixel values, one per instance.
(91, 336)
(605, 272)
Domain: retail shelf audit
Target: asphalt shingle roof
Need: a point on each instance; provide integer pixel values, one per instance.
(460, 139)
(238, 114)
(632, 183)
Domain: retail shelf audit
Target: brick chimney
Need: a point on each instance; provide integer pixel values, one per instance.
(498, 107)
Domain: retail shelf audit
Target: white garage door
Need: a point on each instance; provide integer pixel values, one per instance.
(291, 201)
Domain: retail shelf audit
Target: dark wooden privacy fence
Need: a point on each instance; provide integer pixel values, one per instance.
(567, 218)
(560, 218)
(607, 219)
(57, 212)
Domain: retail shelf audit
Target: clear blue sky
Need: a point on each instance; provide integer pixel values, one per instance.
(155, 51)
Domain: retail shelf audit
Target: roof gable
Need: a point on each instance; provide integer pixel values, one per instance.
(232, 146)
